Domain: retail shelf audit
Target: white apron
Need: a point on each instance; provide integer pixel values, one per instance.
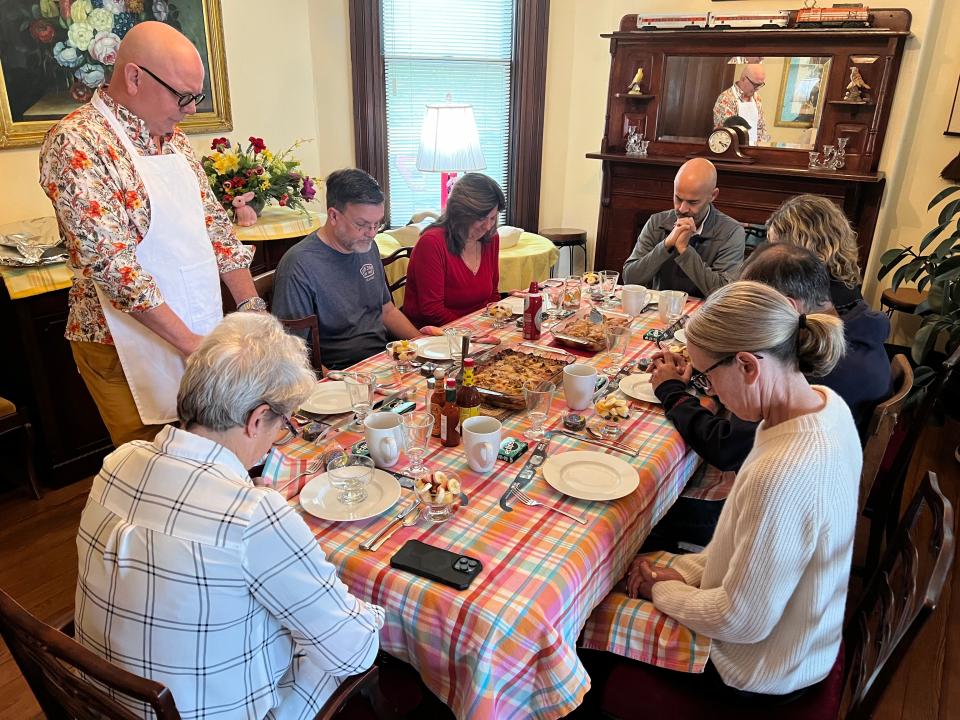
(750, 112)
(177, 252)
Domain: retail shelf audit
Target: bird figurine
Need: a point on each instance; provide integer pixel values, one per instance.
(857, 87)
(634, 88)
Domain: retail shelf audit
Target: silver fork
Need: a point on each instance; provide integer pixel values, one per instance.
(529, 501)
(313, 467)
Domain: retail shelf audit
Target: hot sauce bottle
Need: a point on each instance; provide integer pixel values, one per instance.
(468, 398)
(436, 402)
(532, 313)
(450, 417)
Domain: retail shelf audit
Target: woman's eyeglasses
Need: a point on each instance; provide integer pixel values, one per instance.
(183, 98)
(700, 379)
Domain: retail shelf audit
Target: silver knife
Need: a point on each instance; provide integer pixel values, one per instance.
(398, 518)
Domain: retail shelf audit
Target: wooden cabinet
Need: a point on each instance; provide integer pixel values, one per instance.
(635, 187)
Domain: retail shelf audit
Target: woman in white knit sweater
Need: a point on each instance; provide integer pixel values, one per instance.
(770, 587)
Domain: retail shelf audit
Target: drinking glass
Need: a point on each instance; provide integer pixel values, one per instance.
(417, 426)
(671, 305)
(500, 314)
(455, 337)
(571, 294)
(590, 282)
(555, 289)
(350, 474)
(403, 353)
(360, 387)
(618, 339)
(608, 286)
(538, 397)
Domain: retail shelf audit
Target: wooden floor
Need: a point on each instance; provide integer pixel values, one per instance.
(38, 566)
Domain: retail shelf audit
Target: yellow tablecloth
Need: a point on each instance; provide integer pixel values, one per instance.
(530, 259)
(280, 223)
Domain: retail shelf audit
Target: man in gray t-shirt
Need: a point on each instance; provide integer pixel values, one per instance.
(336, 274)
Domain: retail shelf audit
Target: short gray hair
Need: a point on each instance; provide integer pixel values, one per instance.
(247, 360)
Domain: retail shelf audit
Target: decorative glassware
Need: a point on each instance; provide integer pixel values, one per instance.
(350, 474)
(611, 410)
(554, 290)
(539, 398)
(440, 500)
(571, 293)
(360, 388)
(403, 352)
(618, 339)
(644, 145)
(500, 314)
(814, 160)
(590, 283)
(417, 426)
(608, 287)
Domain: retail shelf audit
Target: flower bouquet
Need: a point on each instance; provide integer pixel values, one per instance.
(252, 177)
(78, 39)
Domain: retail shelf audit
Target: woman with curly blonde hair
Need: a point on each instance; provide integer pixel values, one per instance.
(819, 225)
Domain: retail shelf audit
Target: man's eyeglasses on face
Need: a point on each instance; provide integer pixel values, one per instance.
(183, 98)
(364, 227)
(756, 85)
(700, 379)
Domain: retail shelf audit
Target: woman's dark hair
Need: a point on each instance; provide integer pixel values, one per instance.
(473, 197)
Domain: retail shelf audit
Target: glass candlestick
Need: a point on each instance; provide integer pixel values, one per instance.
(814, 160)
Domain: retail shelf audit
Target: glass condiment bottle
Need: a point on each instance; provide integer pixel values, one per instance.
(468, 398)
(437, 401)
(450, 417)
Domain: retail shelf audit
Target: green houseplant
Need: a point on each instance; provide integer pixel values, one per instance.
(933, 266)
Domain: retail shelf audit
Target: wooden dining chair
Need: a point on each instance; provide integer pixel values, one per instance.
(899, 599)
(309, 324)
(393, 257)
(264, 285)
(13, 419)
(56, 668)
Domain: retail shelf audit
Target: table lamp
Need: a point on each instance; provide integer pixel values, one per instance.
(449, 143)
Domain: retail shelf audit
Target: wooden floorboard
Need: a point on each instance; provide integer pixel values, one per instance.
(38, 566)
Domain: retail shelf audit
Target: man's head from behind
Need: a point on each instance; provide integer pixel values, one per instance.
(694, 189)
(753, 77)
(354, 209)
(158, 76)
(794, 271)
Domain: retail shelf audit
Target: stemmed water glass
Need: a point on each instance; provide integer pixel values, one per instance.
(555, 290)
(608, 287)
(360, 388)
(571, 294)
(618, 338)
(538, 397)
(417, 427)
(455, 337)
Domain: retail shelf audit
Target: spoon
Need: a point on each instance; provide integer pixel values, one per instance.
(409, 520)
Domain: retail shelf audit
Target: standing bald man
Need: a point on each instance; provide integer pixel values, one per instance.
(148, 240)
(694, 247)
(742, 99)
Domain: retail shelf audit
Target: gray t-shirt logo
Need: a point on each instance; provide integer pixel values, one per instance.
(367, 271)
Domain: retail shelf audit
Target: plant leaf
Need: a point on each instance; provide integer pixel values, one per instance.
(923, 341)
(890, 257)
(949, 210)
(945, 247)
(946, 192)
(899, 276)
(921, 284)
(932, 235)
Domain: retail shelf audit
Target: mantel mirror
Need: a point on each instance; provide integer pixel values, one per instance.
(779, 97)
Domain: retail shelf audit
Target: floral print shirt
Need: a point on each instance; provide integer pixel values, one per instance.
(103, 212)
(727, 106)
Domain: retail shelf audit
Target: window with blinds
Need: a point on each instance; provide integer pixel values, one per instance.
(433, 49)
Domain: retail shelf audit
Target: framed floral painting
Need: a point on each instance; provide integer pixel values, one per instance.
(55, 53)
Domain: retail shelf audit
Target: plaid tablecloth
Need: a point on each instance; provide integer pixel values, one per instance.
(506, 647)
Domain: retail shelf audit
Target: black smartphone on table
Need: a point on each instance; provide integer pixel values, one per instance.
(434, 563)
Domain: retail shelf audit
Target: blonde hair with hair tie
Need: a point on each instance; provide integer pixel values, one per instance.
(817, 224)
(748, 316)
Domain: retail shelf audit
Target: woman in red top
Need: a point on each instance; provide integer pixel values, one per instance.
(454, 268)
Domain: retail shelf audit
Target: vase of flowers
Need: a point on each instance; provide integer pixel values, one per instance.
(234, 171)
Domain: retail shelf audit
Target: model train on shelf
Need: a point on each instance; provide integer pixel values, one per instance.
(838, 17)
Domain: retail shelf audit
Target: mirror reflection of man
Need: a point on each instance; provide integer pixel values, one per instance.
(742, 99)
(694, 247)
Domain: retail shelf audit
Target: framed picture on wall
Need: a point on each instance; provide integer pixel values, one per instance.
(799, 102)
(55, 53)
(953, 124)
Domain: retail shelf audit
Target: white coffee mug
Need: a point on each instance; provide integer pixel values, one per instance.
(384, 437)
(579, 384)
(481, 441)
(634, 299)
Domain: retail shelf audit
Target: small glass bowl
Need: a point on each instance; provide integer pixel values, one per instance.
(500, 314)
(439, 511)
(404, 360)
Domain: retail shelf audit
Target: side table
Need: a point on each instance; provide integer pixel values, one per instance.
(567, 238)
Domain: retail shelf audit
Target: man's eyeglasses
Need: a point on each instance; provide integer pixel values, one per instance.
(364, 227)
(183, 98)
(700, 379)
(756, 85)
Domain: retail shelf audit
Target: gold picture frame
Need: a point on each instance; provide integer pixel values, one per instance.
(795, 96)
(34, 90)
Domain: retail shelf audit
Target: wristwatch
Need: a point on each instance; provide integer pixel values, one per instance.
(255, 304)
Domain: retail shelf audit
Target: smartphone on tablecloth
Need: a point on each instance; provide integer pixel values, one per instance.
(434, 563)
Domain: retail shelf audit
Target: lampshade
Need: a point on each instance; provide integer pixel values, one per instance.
(449, 141)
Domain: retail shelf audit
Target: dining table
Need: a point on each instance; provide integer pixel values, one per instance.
(506, 647)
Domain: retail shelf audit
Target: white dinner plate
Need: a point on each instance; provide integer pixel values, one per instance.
(319, 498)
(329, 398)
(638, 387)
(514, 303)
(433, 348)
(590, 475)
(680, 336)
